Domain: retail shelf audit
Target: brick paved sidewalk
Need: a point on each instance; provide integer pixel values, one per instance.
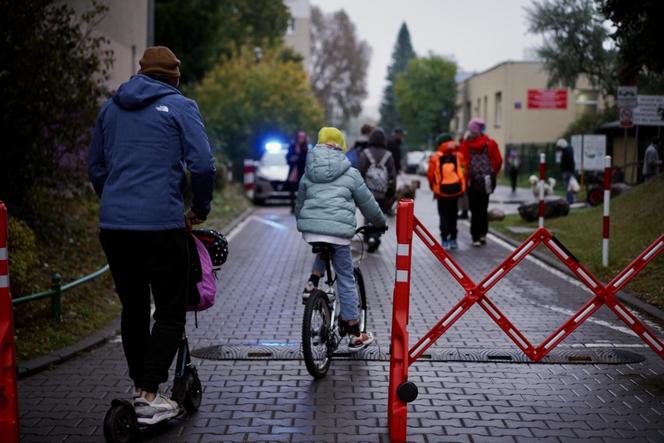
(259, 302)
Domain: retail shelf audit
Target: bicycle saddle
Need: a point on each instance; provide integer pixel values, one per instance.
(321, 247)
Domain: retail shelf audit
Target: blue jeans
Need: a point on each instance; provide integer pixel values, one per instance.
(342, 263)
(567, 176)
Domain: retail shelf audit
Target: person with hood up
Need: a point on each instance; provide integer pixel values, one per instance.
(567, 167)
(446, 176)
(144, 138)
(484, 161)
(329, 194)
(376, 165)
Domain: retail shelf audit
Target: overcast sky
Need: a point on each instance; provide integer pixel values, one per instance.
(476, 33)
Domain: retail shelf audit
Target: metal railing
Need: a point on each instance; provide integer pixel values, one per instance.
(57, 290)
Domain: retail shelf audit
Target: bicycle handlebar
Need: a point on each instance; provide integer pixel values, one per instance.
(371, 228)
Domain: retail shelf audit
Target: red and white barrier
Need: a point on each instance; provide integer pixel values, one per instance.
(402, 391)
(9, 430)
(542, 177)
(605, 218)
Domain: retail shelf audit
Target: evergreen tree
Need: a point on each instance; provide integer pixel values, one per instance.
(403, 52)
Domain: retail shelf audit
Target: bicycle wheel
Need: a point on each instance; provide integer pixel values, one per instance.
(361, 299)
(316, 334)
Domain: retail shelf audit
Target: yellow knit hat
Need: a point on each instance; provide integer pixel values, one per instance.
(332, 136)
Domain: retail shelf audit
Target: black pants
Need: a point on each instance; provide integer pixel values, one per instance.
(479, 220)
(514, 174)
(448, 214)
(144, 262)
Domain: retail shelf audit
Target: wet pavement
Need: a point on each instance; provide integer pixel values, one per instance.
(276, 400)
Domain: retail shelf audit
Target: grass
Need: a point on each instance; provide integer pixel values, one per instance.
(68, 244)
(636, 221)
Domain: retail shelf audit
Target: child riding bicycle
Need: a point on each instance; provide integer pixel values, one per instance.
(328, 195)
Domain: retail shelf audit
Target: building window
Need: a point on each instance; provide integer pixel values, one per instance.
(586, 102)
(484, 111)
(291, 26)
(499, 109)
(477, 109)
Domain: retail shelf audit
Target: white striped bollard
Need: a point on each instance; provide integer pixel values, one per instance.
(542, 174)
(605, 218)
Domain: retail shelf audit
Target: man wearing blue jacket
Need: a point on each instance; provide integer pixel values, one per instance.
(144, 138)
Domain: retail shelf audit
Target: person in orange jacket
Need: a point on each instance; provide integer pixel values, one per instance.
(446, 175)
(484, 161)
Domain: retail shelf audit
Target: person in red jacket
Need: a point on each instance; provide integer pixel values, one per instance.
(483, 161)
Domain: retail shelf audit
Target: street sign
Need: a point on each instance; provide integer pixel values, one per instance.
(649, 110)
(626, 117)
(626, 97)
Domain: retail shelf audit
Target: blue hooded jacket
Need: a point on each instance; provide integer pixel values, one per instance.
(143, 138)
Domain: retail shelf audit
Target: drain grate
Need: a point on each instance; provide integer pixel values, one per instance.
(373, 353)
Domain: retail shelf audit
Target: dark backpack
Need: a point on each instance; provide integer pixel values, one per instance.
(448, 167)
(479, 167)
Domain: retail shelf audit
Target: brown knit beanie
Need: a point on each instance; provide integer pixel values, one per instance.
(159, 60)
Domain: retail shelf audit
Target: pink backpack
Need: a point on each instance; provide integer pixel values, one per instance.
(207, 287)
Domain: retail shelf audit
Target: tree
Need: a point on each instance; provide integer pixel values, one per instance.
(201, 31)
(425, 94)
(638, 36)
(339, 62)
(51, 81)
(401, 54)
(576, 43)
(245, 98)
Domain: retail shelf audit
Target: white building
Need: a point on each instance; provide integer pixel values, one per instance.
(299, 27)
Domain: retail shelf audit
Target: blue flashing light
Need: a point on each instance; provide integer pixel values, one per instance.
(273, 147)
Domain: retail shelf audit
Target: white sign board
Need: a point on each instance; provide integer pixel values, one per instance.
(626, 97)
(589, 152)
(649, 111)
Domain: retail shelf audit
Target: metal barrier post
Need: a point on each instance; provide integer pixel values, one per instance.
(605, 218)
(249, 179)
(400, 390)
(9, 429)
(542, 176)
(56, 298)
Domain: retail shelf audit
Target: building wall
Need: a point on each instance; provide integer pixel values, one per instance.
(126, 26)
(508, 83)
(297, 35)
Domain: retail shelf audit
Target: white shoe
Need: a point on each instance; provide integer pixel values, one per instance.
(159, 409)
(359, 342)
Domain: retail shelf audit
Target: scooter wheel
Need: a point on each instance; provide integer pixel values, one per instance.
(194, 393)
(120, 425)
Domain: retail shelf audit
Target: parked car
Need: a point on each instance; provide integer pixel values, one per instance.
(271, 175)
(424, 163)
(413, 159)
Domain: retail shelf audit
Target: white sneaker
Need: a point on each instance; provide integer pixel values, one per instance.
(359, 342)
(159, 409)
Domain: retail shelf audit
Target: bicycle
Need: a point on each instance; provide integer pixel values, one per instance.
(322, 330)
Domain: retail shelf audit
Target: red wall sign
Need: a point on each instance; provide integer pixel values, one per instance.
(547, 99)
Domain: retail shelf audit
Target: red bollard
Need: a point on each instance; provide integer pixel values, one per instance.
(249, 172)
(8, 395)
(542, 176)
(397, 412)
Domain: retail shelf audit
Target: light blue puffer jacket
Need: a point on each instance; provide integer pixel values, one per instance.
(329, 193)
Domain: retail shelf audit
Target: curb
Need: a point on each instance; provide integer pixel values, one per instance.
(31, 367)
(99, 338)
(629, 299)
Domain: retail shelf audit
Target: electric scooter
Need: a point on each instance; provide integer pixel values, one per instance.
(121, 423)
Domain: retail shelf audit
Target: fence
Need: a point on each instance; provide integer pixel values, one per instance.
(402, 391)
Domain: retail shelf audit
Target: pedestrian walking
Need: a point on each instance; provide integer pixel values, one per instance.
(378, 169)
(567, 167)
(329, 194)
(360, 143)
(446, 176)
(296, 158)
(651, 161)
(394, 146)
(484, 161)
(513, 163)
(143, 137)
